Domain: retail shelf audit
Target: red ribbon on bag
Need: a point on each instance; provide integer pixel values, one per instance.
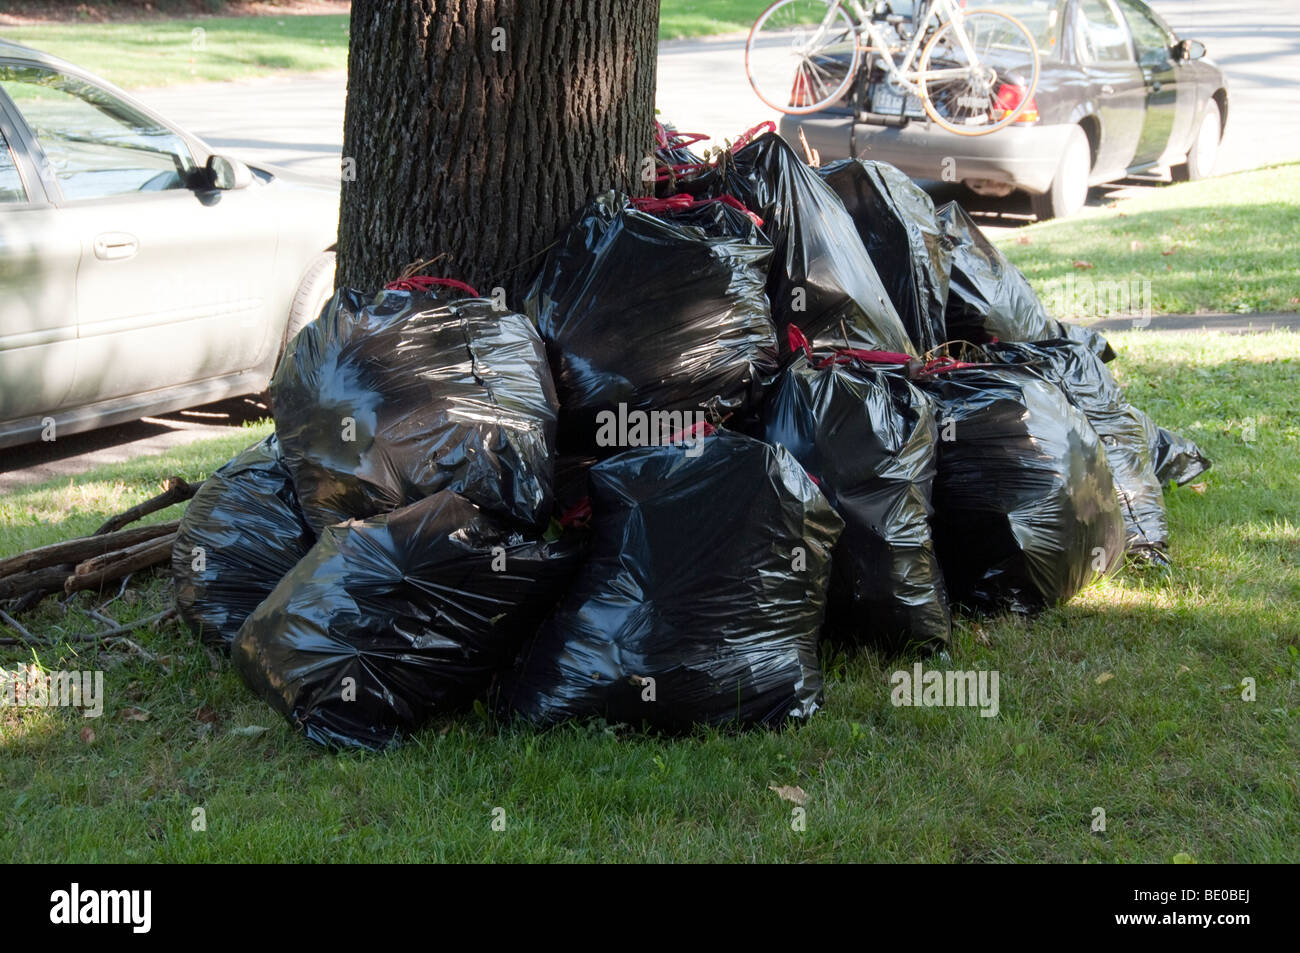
(428, 283)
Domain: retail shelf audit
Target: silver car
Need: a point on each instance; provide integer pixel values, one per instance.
(139, 272)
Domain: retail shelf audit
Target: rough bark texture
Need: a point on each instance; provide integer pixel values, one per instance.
(479, 127)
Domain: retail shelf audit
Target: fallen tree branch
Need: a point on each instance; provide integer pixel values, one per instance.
(176, 491)
(145, 555)
(13, 624)
(77, 550)
(114, 633)
(26, 584)
(96, 563)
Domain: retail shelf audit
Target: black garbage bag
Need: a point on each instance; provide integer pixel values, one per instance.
(383, 401)
(896, 222)
(1026, 512)
(1176, 459)
(1090, 338)
(1124, 430)
(822, 278)
(654, 312)
(702, 597)
(988, 297)
(418, 608)
(867, 436)
(241, 533)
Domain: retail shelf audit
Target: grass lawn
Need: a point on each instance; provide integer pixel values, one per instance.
(1126, 699)
(1222, 244)
(162, 52)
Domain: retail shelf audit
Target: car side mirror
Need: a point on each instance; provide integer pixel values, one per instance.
(225, 173)
(1190, 50)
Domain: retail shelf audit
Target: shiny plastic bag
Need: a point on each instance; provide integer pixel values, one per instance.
(896, 221)
(988, 297)
(867, 436)
(388, 621)
(702, 597)
(659, 311)
(381, 402)
(240, 534)
(1125, 432)
(1026, 512)
(822, 278)
(1176, 459)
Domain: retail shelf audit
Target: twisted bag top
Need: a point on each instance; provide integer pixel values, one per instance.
(381, 402)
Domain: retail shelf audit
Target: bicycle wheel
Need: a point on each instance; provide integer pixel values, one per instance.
(802, 55)
(976, 96)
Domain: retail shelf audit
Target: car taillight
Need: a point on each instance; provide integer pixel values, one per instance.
(801, 94)
(1010, 96)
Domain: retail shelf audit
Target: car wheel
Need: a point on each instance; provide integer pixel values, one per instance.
(313, 291)
(1069, 189)
(1205, 148)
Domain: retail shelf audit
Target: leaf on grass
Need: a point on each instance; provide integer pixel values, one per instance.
(87, 734)
(1104, 677)
(205, 715)
(793, 794)
(1024, 240)
(135, 714)
(249, 731)
(1170, 250)
(1198, 488)
(1084, 265)
(1181, 669)
(1134, 245)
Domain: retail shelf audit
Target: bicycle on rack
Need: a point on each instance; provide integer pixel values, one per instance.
(974, 71)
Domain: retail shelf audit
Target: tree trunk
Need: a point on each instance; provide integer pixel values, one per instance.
(475, 129)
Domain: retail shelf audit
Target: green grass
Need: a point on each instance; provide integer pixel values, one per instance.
(1222, 244)
(1179, 762)
(679, 19)
(163, 52)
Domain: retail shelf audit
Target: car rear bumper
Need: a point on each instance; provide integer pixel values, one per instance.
(1025, 157)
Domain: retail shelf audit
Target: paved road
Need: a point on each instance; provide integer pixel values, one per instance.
(702, 87)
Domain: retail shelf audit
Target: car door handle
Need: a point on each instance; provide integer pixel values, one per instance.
(114, 246)
(1157, 86)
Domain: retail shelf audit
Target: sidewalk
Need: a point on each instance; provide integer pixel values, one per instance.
(1192, 323)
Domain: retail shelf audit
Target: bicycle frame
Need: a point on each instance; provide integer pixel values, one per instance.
(901, 74)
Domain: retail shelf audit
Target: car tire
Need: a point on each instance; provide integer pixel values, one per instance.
(1205, 147)
(314, 290)
(1069, 189)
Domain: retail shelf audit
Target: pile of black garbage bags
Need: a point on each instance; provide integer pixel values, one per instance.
(730, 421)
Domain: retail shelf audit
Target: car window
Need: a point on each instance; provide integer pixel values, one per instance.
(11, 184)
(1042, 18)
(1150, 36)
(1102, 38)
(95, 144)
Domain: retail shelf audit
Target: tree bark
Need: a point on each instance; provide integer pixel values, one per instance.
(477, 128)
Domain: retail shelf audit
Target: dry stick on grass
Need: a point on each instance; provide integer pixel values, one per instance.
(26, 583)
(139, 557)
(114, 633)
(176, 490)
(78, 550)
(97, 563)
